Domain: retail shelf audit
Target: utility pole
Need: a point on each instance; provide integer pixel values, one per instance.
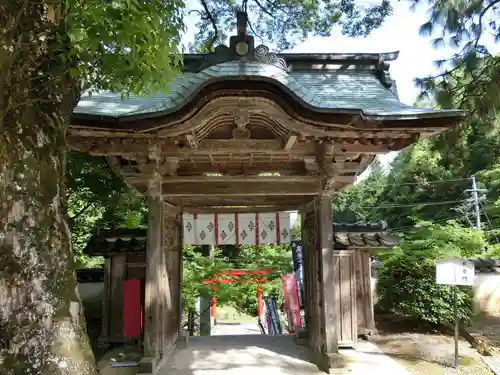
(476, 203)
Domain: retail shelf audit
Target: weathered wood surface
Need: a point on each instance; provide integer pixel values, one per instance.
(163, 275)
(344, 284)
(321, 314)
(106, 302)
(172, 242)
(323, 205)
(364, 298)
(118, 272)
(155, 264)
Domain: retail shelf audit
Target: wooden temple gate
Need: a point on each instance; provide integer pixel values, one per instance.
(311, 123)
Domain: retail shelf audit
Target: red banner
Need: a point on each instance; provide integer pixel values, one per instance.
(291, 299)
(132, 320)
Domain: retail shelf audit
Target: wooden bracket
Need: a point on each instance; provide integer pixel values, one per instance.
(154, 185)
(170, 166)
(327, 168)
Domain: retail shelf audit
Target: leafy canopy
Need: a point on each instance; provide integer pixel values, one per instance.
(97, 199)
(471, 76)
(124, 46)
(285, 22)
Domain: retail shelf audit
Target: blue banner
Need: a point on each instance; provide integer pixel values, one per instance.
(276, 316)
(298, 266)
(272, 317)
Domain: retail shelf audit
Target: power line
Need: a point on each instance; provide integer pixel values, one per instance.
(428, 203)
(430, 182)
(430, 221)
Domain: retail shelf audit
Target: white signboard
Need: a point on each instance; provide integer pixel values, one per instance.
(455, 272)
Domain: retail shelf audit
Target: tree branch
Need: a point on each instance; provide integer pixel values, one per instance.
(265, 10)
(214, 24)
(81, 212)
(481, 15)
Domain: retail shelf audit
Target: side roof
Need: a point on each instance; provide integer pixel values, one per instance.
(130, 241)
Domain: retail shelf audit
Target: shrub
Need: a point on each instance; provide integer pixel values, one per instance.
(406, 281)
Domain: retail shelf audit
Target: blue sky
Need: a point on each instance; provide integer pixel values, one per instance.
(398, 33)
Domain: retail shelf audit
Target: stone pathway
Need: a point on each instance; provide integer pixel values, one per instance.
(273, 355)
(488, 327)
(225, 329)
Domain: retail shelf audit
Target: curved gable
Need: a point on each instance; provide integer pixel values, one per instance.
(184, 88)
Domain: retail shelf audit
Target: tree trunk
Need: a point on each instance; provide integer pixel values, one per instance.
(42, 329)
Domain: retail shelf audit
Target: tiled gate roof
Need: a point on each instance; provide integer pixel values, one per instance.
(332, 89)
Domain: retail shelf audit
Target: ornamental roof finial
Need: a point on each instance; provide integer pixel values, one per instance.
(241, 22)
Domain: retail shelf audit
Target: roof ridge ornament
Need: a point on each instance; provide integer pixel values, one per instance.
(382, 72)
(241, 48)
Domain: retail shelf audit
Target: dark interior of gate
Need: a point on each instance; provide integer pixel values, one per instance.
(244, 130)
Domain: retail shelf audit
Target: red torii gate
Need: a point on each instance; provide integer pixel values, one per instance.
(236, 274)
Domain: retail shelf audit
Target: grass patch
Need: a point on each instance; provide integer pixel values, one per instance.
(230, 315)
(466, 361)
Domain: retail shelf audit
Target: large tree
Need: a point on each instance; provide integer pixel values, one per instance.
(50, 51)
(470, 78)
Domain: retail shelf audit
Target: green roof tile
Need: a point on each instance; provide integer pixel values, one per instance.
(331, 90)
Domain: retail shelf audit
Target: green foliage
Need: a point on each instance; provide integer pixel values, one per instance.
(124, 46)
(241, 295)
(470, 77)
(97, 199)
(196, 268)
(406, 281)
(493, 252)
(277, 258)
(355, 203)
(429, 181)
(286, 22)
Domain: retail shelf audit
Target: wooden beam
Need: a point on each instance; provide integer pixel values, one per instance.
(192, 140)
(240, 167)
(264, 181)
(128, 146)
(247, 209)
(211, 201)
(234, 179)
(311, 164)
(239, 188)
(290, 142)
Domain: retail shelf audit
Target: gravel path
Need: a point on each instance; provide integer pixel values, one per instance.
(426, 352)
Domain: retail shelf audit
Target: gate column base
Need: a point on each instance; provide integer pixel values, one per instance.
(331, 363)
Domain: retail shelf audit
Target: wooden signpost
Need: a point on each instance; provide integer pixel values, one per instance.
(455, 272)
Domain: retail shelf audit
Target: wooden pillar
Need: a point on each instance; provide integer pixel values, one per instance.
(326, 265)
(306, 254)
(319, 274)
(155, 265)
(364, 298)
(118, 273)
(172, 242)
(103, 338)
(205, 318)
(344, 282)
